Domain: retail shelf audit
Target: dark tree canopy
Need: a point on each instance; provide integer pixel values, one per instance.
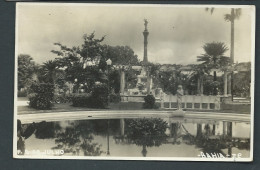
(26, 68)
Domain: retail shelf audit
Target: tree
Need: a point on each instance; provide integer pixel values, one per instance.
(197, 77)
(234, 14)
(120, 55)
(78, 135)
(146, 132)
(49, 70)
(242, 80)
(87, 63)
(167, 81)
(214, 57)
(26, 68)
(81, 62)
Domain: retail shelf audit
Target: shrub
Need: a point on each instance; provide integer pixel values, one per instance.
(97, 98)
(81, 100)
(149, 102)
(114, 98)
(41, 96)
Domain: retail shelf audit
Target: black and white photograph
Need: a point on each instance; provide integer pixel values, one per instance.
(134, 82)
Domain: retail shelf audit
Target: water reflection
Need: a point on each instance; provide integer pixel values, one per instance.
(146, 132)
(93, 137)
(78, 135)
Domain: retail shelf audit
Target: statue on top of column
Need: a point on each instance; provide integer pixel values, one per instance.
(145, 23)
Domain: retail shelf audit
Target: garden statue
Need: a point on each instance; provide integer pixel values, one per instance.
(145, 23)
(179, 97)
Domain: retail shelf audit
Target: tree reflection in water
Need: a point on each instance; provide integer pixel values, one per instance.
(23, 132)
(211, 143)
(146, 132)
(78, 136)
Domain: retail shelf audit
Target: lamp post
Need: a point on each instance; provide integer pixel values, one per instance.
(109, 63)
(75, 81)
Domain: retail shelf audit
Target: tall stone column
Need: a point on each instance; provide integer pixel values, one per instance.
(225, 83)
(145, 33)
(201, 86)
(198, 87)
(229, 84)
(122, 127)
(122, 81)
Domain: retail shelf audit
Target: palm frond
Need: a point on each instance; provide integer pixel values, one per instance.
(227, 17)
(211, 10)
(237, 13)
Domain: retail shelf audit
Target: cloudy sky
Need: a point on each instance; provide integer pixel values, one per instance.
(177, 34)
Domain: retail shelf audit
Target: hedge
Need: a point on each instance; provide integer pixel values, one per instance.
(41, 96)
(96, 99)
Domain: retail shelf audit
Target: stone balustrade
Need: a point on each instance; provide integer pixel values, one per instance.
(169, 101)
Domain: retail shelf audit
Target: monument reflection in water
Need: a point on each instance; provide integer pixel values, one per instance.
(144, 137)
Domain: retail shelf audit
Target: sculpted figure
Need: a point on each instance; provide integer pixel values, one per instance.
(145, 23)
(179, 97)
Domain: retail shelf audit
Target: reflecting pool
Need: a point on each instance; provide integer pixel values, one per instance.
(141, 137)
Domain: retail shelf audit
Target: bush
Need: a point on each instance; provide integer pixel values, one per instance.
(114, 98)
(149, 102)
(97, 99)
(99, 96)
(81, 100)
(41, 96)
(21, 93)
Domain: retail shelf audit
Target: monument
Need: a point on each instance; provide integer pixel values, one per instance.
(145, 33)
(144, 82)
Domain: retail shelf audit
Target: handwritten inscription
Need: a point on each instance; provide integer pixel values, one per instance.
(218, 155)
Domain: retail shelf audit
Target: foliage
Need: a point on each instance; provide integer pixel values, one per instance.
(167, 81)
(131, 78)
(26, 68)
(146, 132)
(114, 98)
(214, 58)
(80, 62)
(114, 81)
(49, 69)
(99, 96)
(46, 130)
(209, 85)
(120, 55)
(77, 136)
(235, 14)
(214, 55)
(81, 100)
(149, 102)
(87, 63)
(41, 96)
(242, 84)
(96, 99)
(140, 86)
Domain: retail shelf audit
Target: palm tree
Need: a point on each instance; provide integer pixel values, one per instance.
(234, 14)
(198, 75)
(49, 70)
(214, 57)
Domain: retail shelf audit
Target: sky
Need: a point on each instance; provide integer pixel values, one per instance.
(176, 33)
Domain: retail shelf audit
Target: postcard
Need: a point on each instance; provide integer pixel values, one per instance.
(134, 82)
